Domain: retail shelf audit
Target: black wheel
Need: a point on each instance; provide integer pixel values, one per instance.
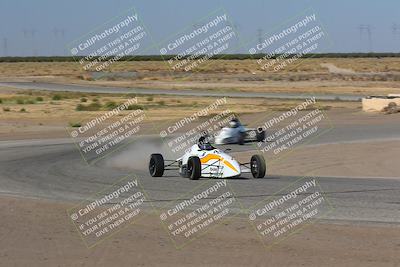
(194, 168)
(258, 167)
(260, 135)
(241, 139)
(156, 165)
(390, 108)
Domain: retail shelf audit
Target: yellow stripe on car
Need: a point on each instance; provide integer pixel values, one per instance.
(217, 157)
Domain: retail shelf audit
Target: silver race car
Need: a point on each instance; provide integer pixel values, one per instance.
(236, 133)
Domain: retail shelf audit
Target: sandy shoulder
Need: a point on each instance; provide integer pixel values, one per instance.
(39, 233)
(359, 159)
(364, 159)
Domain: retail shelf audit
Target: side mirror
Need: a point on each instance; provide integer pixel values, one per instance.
(227, 149)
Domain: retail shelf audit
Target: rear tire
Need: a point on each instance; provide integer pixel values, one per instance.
(194, 168)
(156, 165)
(241, 139)
(260, 135)
(258, 167)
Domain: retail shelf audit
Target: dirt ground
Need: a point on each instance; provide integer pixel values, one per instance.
(39, 233)
(338, 160)
(24, 117)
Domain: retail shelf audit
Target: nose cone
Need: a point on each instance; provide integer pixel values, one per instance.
(231, 166)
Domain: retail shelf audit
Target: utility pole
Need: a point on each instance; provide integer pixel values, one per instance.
(235, 28)
(62, 50)
(55, 34)
(5, 47)
(25, 33)
(368, 29)
(395, 28)
(259, 35)
(33, 33)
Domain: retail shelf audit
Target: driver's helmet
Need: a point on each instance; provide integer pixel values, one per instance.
(234, 123)
(204, 143)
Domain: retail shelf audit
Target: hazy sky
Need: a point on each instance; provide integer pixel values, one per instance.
(45, 27)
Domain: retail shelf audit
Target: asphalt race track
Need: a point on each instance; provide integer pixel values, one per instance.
(181, 92)
(54, 169)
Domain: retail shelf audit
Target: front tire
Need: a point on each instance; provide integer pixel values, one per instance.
(258, 167)
(391, 108)
(156, 165)
(194, 168)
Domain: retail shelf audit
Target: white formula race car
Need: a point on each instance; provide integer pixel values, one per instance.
(204, 160)
(236, 133)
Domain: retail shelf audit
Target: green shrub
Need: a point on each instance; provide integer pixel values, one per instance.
(149, 98)
(19, 101)
(131, 95)
(30, 101)
(56, 97)
(134, 107)
(91, 107)
(80, 107)
(6, 109)
(39, 98)
(1, 101)
(75, 124)
(83, 99)
(111, 105)
(22, 110)
(95, 100)
(161, 103)
(94, 106)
